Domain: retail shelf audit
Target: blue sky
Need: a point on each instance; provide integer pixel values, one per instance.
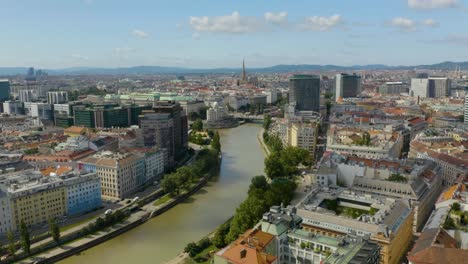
(219, 33)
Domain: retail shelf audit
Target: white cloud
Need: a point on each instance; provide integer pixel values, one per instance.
(431, 23)
(233, 23)
(320, 23)
(428, 4)
(140, 33)
(79, 57)
(280, 18)
(404, 24)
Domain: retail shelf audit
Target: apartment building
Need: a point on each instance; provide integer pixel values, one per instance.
(366, 143)
(447, 152)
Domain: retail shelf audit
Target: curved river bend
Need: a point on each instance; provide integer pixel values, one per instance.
(162, 238)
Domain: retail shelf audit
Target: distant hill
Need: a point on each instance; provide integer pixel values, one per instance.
(147, 70)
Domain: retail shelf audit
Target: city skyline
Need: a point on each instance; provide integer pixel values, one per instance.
(101, 33)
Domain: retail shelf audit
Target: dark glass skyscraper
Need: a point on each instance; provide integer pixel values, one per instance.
(4, 90)
(304, 92)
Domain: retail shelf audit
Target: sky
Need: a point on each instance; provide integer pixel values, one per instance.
(221, 33)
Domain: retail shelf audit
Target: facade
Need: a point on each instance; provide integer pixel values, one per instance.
(390, 227)
(278, 238)
(393, 88)
(121, 174)
(237, 102)
(304, 92)
(13, 107)
(157, 130)
(4, 89)
(57, 97)
(108, 116)
(349, 140)
(304, 135)
(83, 193)
(33, 197)
(258, 100)
(5, 212)
(446, 152)
(192, 106)
(42, 111)
(180, 125)
(431, 87)
(272, 96)
(422, 184)
(26, 95)
(347, 86)
(419, 87)
(216, 113)
(465, 110)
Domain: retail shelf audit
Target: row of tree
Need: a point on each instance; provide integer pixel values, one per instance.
(25, 239)
(284, 163)
(261, 196)
(206, 164)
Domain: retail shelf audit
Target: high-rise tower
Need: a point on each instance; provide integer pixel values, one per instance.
(304, 92)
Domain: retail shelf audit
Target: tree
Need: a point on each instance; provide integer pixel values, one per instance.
(169, 185)
(11, 243)
(258, 183)
(273, 166)
(456, 206)
(215, 142)
(219, 239)
(198, 125)
(274, 143)
(192, 116)
(397, 177)
(247, 215)
(328, 105)
(54, 230)
(192, 248)
(25, 238)
(328, 95)
(267, 122)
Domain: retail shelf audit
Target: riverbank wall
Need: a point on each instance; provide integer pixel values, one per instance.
(124, 228)
(72, 251)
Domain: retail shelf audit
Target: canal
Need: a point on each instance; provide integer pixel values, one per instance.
(162, 238)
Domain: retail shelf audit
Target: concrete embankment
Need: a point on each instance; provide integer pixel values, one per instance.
(135, 220)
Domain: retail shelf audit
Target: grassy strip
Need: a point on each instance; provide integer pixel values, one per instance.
(68, 227)
(162, 200)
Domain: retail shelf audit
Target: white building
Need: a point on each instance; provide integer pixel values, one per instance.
(419, 87)
(155, 162)
(62, 109)
(13, 107)
(272, 96)
(304, 135)
(5, 213)
(42, 111)
(58, 97)
(432, 87)
(27, 95)
(216, 113)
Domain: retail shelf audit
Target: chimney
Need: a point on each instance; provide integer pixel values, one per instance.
(243, 253)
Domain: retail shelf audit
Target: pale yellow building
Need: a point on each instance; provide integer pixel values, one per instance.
(304, 135)
(37, 201)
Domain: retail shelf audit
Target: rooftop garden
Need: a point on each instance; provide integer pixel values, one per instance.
(397, 178)
(346, 211)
